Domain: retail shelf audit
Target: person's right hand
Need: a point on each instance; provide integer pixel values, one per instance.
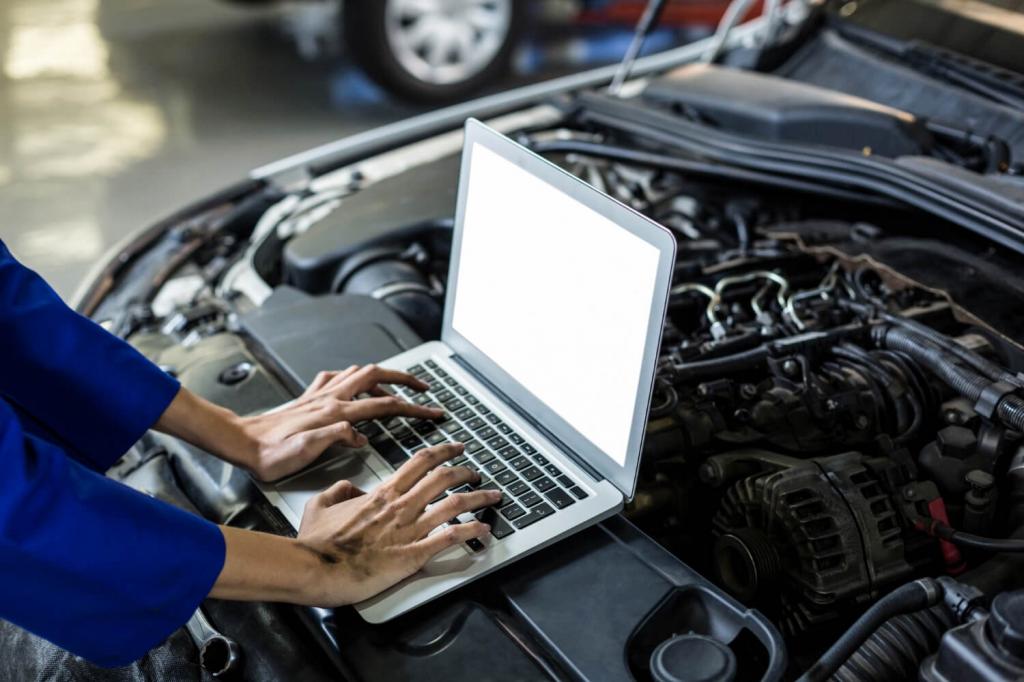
(365, 543)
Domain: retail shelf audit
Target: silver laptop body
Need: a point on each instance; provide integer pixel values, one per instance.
(556, 300)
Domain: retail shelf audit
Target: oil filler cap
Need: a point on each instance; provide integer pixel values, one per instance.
(1006, 623)
(693, 658)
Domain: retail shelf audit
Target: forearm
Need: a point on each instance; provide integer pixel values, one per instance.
(264, 567)
(215, 429)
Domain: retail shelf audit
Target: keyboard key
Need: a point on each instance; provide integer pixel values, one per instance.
(553, 471)
(444, 396)
(579, 492)
(424, 427)
(566, 481)
(390, 451)
(401, 431)
(475, 545)
(529, 499)
(513, 511)
(448, 424)
(544, 484)
(475, 423)
(495, 467)
(411, 442)
(529, 449)
(456, 405)
(516, 438)
(486, 432)
(518, 488)
(473, 446)
(505, 428)
(541, 511)
(421, 399)
(508, 452)
(436, 438)
(484, 457)
(441, 373)
(460, 460)
(497, 443)
(494, 419)
(500, 528)
(559, 498)
(506, 477)
(450, 381)
(370, 429)
(460, 390)
(471, 399)
(540, 459)
(520, 463)
(482, 409)
(464, 414)
(461, 436)
(417, 370)
(532, 473)
(431, 364)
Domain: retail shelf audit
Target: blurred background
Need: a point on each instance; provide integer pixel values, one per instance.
(115, 113)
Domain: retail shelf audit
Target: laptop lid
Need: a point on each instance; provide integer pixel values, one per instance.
(557, 295)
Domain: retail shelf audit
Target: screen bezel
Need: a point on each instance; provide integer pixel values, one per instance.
(623, 477)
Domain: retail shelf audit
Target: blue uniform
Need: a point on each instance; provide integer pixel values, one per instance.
(86, 562)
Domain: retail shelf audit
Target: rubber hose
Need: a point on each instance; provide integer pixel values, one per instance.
(915, 596)
(1010, 408)
(986, 367)
(895, 650)
(723, 365)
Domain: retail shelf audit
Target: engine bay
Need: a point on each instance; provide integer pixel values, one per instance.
(838, 409)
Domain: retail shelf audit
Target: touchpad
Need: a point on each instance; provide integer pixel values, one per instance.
(299, 488)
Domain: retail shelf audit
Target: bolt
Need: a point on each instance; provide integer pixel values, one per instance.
(235, 374)
(791, 367)
(910, 493)
(748, 391)
(861, 422)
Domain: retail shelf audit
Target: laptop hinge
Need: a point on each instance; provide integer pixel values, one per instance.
(522, 414)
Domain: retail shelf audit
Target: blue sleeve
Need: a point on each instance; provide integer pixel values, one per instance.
(93, 390)
(90, 564)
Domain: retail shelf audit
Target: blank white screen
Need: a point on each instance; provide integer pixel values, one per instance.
(557, 295)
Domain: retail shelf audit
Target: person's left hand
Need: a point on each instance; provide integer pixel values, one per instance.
(286, 440)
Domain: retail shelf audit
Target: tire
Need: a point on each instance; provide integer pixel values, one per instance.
(381, 35)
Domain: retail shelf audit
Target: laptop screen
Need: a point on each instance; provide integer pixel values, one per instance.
(558, 296)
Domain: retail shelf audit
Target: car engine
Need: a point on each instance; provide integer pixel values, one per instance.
(838, 409)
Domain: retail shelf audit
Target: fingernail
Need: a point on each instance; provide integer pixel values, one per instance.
(487, 528)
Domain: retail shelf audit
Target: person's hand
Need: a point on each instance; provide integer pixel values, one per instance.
(286, 440)
(365, 543)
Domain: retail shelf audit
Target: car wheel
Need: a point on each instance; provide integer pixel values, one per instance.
(433, 50)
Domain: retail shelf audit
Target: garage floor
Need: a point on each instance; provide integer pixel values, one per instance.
(113, 113)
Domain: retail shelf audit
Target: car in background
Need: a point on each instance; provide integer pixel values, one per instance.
(434, 51)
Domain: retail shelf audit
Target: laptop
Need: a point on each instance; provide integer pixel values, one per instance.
(552, 323)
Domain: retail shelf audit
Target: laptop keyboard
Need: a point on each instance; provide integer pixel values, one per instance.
(533, 488)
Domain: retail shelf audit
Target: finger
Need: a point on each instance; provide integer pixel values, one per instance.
(319, 381)
(456, 504)
(449, 537)
(370, 376)
(420, 464)
(336, 494)
(435, 483)
(342, 433)
(391, 406)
